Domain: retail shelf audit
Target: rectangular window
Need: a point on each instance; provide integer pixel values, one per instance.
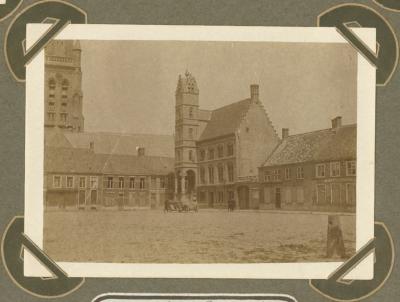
(287, 194)
(202, 154)
(287, 173)
(109, 183)
(142, 183)
(276, 175)
(153, 182)
(220, 151)
(121, 182)
(335, 194)
(321, 194)
(230, 150)
(211, 175)
(351, 193)
(220, 196)
(63, 117)
(300, 194)
(335, 169)
(93, 182)
(57, 181)
(202, 175)
(131, 182)
(320, 170)
(70, 181)
(267, 176)
(230, 172)
(210, 154)
(191, 158)
(51, 116)
(351, 168)
(82, 182)
(162, 182)
(300, 173)
(220, 174)
(191, 133)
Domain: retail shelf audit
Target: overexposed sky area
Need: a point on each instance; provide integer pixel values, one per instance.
(129, 86)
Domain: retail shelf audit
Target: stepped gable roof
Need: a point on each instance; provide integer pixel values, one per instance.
(317, 146)
(225, 120)
(74, 160)
(112, 143)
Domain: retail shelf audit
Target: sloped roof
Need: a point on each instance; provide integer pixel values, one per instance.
(322, 145)
(72, 160)
(113, 143)
(204, 115)
(225, 120)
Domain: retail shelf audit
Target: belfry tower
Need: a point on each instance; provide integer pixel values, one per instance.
(63, 86)
(186, 134)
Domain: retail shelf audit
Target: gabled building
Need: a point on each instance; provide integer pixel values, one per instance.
(312, 171)
(218, 152)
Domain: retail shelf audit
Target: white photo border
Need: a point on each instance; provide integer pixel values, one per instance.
(34, 150)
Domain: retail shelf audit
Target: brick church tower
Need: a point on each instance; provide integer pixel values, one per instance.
(63, 86)
(186, 134)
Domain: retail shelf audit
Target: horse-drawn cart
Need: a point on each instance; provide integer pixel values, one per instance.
(180, 206)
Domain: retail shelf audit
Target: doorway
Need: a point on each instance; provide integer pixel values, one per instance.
(93, 197)
(278, 198)
(244, 197)
(81, 199)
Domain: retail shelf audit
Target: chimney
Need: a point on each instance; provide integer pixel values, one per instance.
(91, 146)
(254, 92)
(140, 151)
(285, 133)
(336, 122)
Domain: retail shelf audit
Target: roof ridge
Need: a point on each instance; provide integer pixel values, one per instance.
(120, 133)
(231, 104)
(320, 130)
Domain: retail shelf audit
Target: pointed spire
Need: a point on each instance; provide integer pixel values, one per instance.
(187, 84)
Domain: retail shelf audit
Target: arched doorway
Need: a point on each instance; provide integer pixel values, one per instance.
(243, 196)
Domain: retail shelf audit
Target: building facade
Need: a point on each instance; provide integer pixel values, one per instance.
(312, 171)
(63, 86)
(81, 178)
(216, 157)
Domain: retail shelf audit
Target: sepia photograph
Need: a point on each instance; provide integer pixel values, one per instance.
(202, 151)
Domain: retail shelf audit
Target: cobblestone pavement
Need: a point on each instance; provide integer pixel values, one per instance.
(203, 237)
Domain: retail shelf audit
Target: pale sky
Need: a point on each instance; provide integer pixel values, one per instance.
(129, 86)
